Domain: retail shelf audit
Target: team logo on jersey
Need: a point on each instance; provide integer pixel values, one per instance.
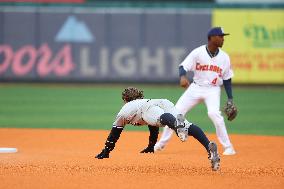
(206, 67)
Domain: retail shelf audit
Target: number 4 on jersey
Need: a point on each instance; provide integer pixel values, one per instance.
(214, 81)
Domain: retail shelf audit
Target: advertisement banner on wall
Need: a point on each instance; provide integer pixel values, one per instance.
(255, 43)
(97, 46)
(42, 1)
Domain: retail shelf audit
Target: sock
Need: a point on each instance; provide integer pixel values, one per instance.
(199, 135)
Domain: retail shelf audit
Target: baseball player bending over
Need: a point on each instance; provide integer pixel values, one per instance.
(211, 67)
(155, 113)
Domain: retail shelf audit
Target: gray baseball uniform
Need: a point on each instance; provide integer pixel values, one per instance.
(145, 112)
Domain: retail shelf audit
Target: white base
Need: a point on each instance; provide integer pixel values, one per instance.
(8, 150)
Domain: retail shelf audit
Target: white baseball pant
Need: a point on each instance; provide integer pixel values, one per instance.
(195, 94)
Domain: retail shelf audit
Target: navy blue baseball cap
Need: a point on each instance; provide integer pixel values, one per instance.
(216, 31)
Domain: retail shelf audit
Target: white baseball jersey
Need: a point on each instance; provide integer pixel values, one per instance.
(208, 69)
(144, 112)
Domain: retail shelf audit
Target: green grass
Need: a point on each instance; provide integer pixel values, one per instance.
(95, 106)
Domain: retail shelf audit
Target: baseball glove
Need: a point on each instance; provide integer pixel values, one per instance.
(230, 110)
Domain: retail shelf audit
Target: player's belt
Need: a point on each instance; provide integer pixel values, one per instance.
(197, 84)
(205, 85)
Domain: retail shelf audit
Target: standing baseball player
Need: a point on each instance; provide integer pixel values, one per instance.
(155, 113)
(211, 67)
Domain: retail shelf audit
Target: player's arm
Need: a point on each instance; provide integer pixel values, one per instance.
(228, 88)
(184, 67)
(110, 142)
(227, 79)
(230, 109)
(184, 82)
(113, 137)
(154, 132)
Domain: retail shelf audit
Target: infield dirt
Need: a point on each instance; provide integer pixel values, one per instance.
(58, 158)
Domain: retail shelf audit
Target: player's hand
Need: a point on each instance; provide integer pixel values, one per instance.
(149, 149)
(104, 154)
(184, 82)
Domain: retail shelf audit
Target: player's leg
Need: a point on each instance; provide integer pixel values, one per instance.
(210, 147)
(156, 115)
(190, 98)
(167, 132)
(212, 101)
(186, 102)
(199, 135)
(152, 115)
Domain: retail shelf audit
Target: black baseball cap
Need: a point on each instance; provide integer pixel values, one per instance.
(216, 31)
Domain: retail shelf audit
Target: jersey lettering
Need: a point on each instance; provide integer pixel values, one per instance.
(214, 81)
(206, 67)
